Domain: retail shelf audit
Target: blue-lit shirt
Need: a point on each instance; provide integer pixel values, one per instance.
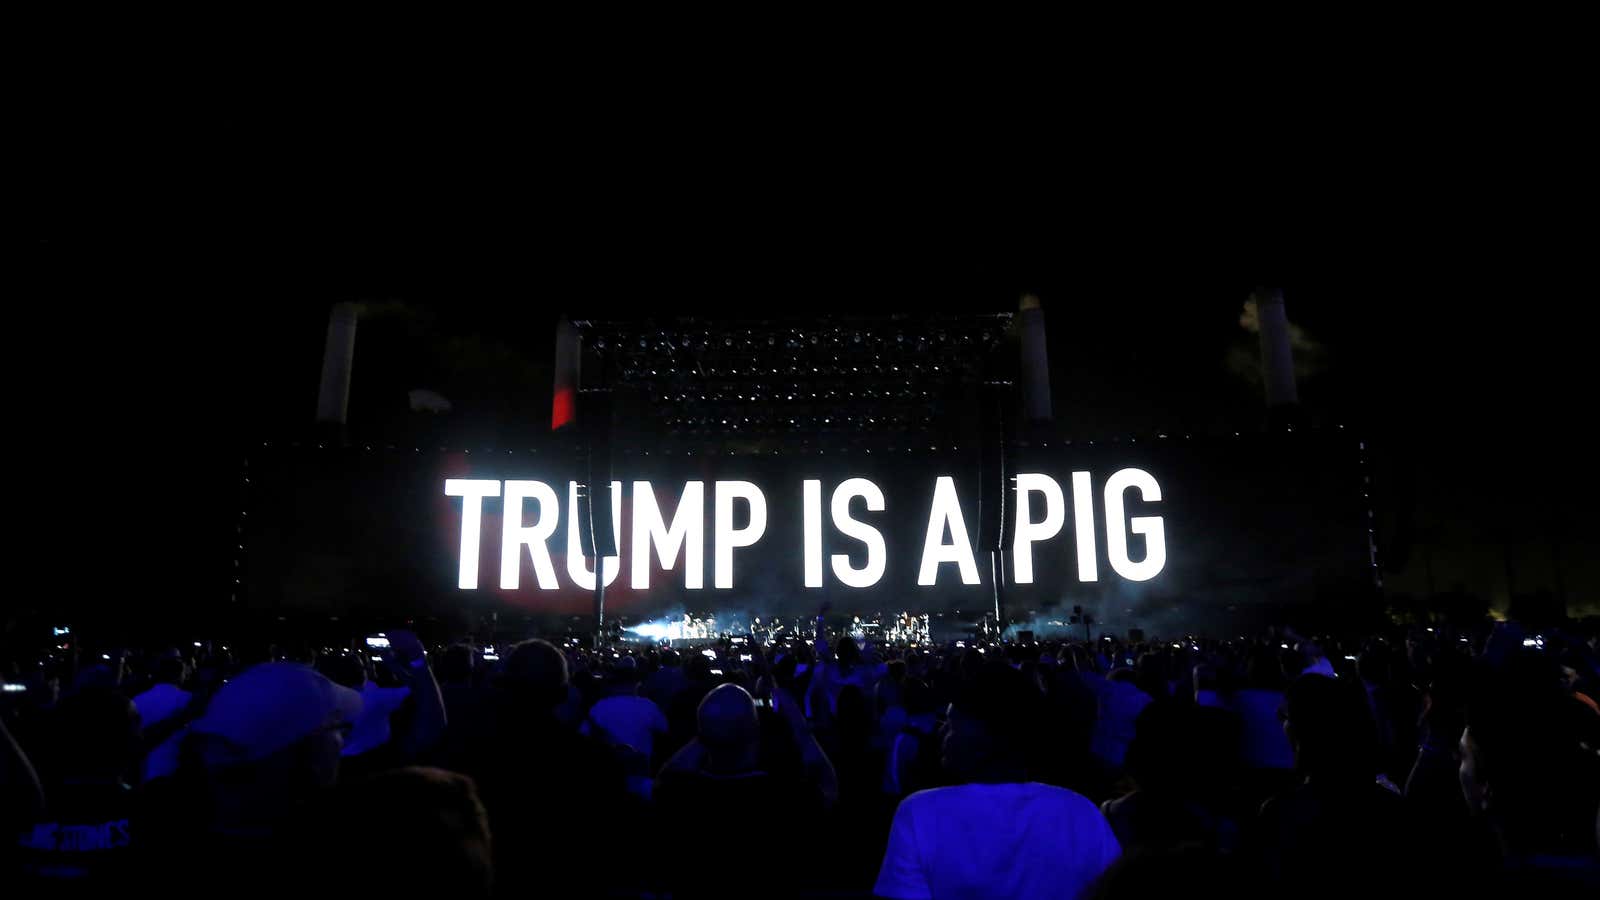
(995, 841)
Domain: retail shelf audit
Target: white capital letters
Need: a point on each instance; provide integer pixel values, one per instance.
(811, 490)
(867, 575)
(946, 511)
(576, 567)
(513, 534)
(471, 491)
(1083, 524)
(687, 533)
(1155, 541)
(1028, 531)
(727, 537)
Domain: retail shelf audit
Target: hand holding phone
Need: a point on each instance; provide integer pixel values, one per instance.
(406, 646)
(401, 648)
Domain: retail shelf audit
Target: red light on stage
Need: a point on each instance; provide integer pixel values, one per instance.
(562, 411)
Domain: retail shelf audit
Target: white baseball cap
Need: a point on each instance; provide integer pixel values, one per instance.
(270, 706)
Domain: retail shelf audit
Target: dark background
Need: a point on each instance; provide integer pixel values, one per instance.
(176, 266)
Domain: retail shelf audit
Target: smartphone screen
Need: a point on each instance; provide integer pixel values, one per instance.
(378, 642)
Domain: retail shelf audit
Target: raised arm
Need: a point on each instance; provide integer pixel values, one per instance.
(428, 716)
(21, 795)
(820, 641)
(817, 766)
(689, 758)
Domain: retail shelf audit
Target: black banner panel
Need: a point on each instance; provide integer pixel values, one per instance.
(1169, 535)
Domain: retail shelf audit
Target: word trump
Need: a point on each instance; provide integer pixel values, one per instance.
(1040, 504)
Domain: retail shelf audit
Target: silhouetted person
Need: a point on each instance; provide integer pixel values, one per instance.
(1072, 706)
(1337, 830)
(267, 746)
(624, 717)
(997, 835)
(469, 706)
(397, 723)
(1432, 787)
(1151, 675)
(847, 668)
(911, 747)
(1189, 871)
(166, 697)
(1183, 759)
(85, 838)
(456, 667)
(21, 792)
(719, 779)
(698, 682)
(549, 790)
(859, 767)
(1120, 702)
(1529, 770)
(405, 832)
(664, 684)
(1267, 756)
(863, 813)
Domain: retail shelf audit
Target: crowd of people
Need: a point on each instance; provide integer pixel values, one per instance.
(1427, 759)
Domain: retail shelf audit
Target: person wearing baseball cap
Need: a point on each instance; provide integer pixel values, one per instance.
(256, 762)
(270, 707)
(271, 738)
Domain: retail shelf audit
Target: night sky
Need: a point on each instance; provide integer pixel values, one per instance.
(173, 310)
